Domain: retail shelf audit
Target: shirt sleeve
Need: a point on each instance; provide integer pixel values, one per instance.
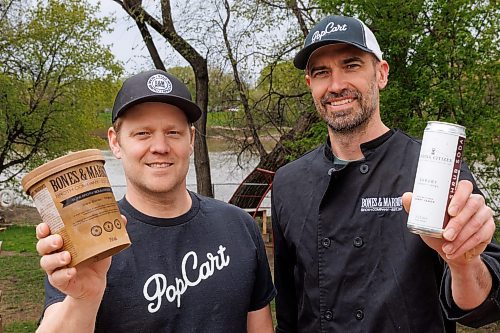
(284, 264)
(486, 313)
(263, 291)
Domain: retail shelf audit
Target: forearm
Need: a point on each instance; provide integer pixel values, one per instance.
(260, 321)
(471, 283)
(71, 315)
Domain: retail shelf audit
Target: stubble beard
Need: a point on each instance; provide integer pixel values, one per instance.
(352, 120)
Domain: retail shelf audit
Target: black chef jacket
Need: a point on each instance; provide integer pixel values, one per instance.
(344, 258)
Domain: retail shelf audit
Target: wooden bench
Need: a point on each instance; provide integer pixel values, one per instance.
(262, 213)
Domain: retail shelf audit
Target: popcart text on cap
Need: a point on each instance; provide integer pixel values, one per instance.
(337, 29)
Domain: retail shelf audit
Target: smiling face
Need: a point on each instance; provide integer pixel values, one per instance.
(154, 142)
(345, 83)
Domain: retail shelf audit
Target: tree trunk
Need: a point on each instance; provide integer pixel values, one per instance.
(277, 157)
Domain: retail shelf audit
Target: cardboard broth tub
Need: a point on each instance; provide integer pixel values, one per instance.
(73, 196)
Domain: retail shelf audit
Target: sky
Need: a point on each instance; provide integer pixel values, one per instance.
(126, 42)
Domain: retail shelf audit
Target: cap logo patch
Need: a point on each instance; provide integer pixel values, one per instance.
(159, 83)
(330, 28)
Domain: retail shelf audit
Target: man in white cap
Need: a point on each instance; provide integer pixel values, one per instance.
(343, 264)
(195, 264)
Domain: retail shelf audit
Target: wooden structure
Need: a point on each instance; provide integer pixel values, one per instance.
(1, 323)
(251, 193)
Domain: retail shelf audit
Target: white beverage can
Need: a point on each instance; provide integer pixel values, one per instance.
(436, 179)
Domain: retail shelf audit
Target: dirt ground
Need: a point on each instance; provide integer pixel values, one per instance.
(21, 215)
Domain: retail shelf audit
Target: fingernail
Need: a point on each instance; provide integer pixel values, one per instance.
(448, 248)
(449, 234)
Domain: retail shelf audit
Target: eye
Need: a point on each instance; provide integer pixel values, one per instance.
(353, 66)
(173, 132)
(320, 73)
(141, 134)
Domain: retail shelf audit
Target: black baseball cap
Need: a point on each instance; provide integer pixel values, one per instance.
(337, 29)
(155, 86)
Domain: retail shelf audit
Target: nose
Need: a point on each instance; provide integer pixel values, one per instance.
(337, 82)
(159, 144)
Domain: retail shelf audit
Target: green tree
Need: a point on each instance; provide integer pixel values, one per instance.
(444, 65)
(54, 79)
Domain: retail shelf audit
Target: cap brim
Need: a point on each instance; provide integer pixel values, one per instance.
(192, 111)
(302, 58)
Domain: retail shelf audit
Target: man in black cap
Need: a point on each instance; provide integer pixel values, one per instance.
(344, 258)
(195, 264)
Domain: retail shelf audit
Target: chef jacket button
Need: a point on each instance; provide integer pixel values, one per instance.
(364, 168)
(328, 315)
(359, 314)
(358, 241)
(326, 242)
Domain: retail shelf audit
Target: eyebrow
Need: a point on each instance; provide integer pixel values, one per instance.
(352, 59)
(344, 62)
(316, 68)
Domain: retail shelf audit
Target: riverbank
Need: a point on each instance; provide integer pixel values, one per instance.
(21, 215)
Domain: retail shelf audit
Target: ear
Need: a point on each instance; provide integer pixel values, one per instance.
(191, 143)
(383, 74)
(308, 80)
(113, 142)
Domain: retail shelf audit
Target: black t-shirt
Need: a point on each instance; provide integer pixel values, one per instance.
(200, 272)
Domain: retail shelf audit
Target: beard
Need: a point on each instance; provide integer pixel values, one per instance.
(353, 119)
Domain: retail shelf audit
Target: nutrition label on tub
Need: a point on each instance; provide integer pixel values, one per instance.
(48, 210)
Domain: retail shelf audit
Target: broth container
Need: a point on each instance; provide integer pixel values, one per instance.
(73, 196)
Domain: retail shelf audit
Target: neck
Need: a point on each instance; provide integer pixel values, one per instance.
(162, 205)
(346, 145)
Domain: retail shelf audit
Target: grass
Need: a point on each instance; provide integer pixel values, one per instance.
(19, 239)
(21, 280)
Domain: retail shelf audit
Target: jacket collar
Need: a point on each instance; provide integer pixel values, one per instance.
(366, 147)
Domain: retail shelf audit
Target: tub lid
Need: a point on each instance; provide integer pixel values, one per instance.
(59, 164)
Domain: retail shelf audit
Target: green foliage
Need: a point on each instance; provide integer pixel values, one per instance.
(222, 91)
(229, 119)
(56, 78)
(282, 93)
(443, 58)
(309, 140)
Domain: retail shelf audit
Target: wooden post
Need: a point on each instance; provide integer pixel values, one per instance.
(1, 324)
